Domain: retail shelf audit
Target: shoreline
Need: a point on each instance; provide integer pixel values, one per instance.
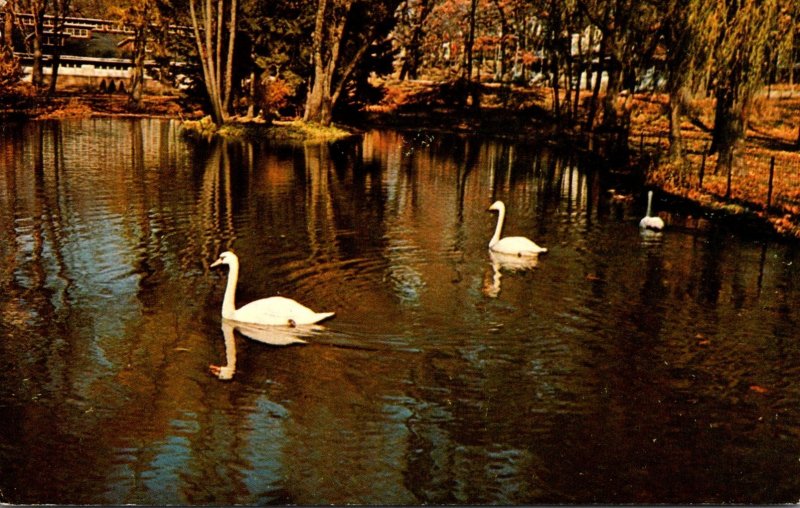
(489, 122)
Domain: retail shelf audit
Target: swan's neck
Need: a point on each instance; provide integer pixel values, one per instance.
(649, 203)
(229, 300)
(501, 214)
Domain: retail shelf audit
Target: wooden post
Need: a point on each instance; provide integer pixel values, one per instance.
(702, 171)
(771, 177)
(730, 171)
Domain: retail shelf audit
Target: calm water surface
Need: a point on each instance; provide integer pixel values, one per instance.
(621, 368)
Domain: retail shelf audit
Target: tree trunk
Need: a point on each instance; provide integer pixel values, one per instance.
(318, 101)
(251, 107)
(729, 126)
(228, 92)
(592, 113)
(330, 74)
(410, 67)
(218, 77)
(609, 100)
(136, 88)
(61, 12)
(8, 25)
(319, 104)
(500, 64)
(675, 135)
(37, 72)
(469, 89)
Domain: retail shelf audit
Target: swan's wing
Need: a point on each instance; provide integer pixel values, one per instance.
(518, 245)
(278, 310)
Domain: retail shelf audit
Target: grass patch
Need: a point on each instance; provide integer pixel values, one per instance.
(296, 130)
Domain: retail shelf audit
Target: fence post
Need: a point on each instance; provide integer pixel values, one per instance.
(771, 177)
(730, 171)
(702, 169)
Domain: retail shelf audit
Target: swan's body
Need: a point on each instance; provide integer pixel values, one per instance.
(649, 222)
(514, 245)
(272, 311)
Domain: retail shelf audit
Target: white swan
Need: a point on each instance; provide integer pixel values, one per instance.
(275, 310)
(649, 222)
(516, 245)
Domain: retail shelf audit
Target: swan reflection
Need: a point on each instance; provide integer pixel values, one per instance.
(509, 263)
(651, 236)
(271, 335)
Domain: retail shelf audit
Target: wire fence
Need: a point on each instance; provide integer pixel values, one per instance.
(757, 178)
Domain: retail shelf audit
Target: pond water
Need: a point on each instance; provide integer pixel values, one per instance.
(620, 368)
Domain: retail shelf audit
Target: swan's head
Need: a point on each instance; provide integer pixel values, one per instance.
(226, 258)
(497, 206)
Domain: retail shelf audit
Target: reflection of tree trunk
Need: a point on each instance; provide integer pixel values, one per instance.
(38, 274)
(52, 203)
(471, 157)
(319, 203)
(230, 232)
(208, 212)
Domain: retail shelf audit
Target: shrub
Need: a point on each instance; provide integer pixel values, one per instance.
(273, 96)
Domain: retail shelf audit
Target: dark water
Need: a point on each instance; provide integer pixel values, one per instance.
(622, 368)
